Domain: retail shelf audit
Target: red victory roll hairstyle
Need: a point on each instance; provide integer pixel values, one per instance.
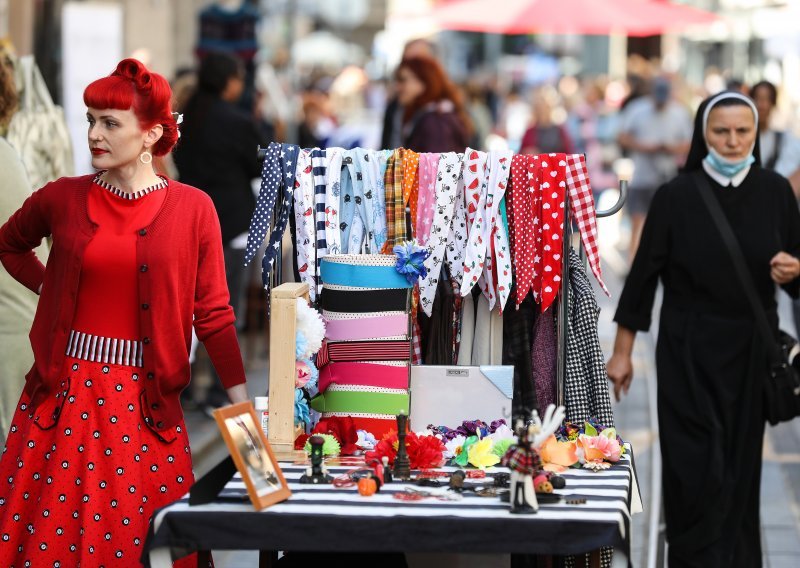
(147, 94)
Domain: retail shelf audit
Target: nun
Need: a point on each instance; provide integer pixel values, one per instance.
(711, 360)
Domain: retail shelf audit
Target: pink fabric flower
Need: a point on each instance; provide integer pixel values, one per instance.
(303, 374)
(600, 448)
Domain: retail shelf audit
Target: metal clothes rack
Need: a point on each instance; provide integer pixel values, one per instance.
(563, 301)
(563, 297)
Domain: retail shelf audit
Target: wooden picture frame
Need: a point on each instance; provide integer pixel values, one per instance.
(252, 454)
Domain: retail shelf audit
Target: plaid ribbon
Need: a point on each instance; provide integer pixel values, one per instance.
(582, 206)
(395, 202)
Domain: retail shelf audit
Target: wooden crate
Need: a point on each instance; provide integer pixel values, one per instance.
(283, 330)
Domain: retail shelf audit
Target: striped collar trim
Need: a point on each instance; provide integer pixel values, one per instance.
(130, 196)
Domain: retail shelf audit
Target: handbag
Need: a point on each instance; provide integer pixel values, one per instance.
(782, 384)
(38, 130)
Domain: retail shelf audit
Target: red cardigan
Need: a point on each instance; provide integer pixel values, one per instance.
(181, 274)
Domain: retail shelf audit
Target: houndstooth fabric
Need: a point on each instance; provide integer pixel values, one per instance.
(586, 388)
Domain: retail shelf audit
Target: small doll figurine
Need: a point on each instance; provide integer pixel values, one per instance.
(524, 462)
(316, 474)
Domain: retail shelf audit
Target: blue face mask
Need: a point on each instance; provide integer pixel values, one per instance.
(726, 167)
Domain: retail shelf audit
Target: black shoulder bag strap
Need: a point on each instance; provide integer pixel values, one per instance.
(745, 278)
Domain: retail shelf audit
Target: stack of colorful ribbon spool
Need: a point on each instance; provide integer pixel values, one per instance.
(364, 360)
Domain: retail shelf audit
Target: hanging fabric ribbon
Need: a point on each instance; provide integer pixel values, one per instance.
(498, 269)
(271, 180)
(448, 172)
(351, 225)
(319, 169)
(457, 237)
(428, 164)
(521, 214)
(333, 234)
(411, 186)
(288, 161)
(305, 229)
(553, 189)
(395, 202)
(367, 199)
(475, 186)
(582, 205)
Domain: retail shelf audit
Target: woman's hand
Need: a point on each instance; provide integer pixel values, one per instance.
(237, 393)
(620, 372)
(784, 268)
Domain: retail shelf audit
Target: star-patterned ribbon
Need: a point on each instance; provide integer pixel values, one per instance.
(271, 180)
(288, 166)
(447, 174)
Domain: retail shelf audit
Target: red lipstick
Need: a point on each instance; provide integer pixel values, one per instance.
(98, 151)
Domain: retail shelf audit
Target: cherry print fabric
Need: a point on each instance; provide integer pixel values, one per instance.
(552, 187)
(428, 164)
(581, 201)
(82, 492)
(305, 224)
(498, 269)
(447, 175)
(475, 188)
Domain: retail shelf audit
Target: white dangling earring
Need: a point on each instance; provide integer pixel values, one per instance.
(145, 157)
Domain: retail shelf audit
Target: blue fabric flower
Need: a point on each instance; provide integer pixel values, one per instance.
(301, 410)
(300, 345)
(410, 260)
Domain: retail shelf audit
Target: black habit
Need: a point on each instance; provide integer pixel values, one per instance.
(710, 358)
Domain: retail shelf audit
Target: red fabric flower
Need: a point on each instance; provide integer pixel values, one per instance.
(300, 441)
(386, 447)
(343, 429)
(424, 451)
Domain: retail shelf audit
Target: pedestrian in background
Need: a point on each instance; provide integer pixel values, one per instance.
(217, 153)
(434, 117)
(780, 149)
(656, 131)
(98, 440)
(545, 136)
(17, 304)
(710, 359)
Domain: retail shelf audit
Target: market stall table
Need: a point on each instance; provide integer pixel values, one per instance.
(341, 520)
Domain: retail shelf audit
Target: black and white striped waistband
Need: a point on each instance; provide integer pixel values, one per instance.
(99, 349)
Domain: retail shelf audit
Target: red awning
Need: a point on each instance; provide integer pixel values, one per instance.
(590, 17)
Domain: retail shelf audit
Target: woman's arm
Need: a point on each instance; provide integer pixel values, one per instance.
(620, 366)
(22, 233)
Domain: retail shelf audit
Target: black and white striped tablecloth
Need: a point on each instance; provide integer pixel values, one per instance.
(325, 518)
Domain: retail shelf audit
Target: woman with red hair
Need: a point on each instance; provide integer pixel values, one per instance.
(98, 440)
(434, 118)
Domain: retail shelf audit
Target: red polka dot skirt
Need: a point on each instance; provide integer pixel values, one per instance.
(82, 492)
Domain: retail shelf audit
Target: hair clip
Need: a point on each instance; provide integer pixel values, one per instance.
(178, 117)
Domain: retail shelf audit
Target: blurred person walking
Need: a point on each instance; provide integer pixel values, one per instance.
(392, 135)
(711, 359)
(656, 130)
(98, 441)
(217, 153)
(17, 304)
(434, 118)
(780, 149)
(545, 136)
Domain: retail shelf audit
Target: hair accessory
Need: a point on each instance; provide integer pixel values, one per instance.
(145, 157)
(178, 117)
